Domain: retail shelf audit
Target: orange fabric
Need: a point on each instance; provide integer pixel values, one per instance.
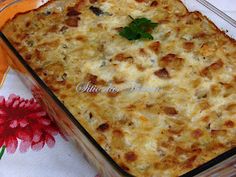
(19, 7)
(3, 65)
(8, 9)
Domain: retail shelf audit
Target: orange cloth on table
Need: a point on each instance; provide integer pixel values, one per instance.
(3, 65)
(7, 14)
(19, 7)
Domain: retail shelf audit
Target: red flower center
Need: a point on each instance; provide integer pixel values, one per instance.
(25, 120)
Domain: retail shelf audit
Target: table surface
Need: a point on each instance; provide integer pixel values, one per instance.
(61, 159)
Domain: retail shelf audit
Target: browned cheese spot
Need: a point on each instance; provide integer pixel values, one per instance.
(72, 21)
(171, 111)
(72, 12)
(171, 61)
(188, 46)
(130, 156)
(207, 71)
(123, 57)
(103, 127)
(197, 133)
(93, 1)
(229, 124)
(92, 78)
(155, 46)
(162, 73)
(154, 4)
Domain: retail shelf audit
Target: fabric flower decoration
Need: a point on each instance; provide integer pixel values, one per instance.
(25, 124)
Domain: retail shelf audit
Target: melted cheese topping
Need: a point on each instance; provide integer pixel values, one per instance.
(191, 117)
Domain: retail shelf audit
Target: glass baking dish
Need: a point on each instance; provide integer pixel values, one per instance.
(222, 166)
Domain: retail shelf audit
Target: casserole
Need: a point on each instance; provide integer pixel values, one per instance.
(130, 156)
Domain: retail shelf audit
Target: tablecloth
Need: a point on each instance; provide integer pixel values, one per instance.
(41, 151)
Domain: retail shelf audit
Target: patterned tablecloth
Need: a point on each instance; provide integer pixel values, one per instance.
(30, 144)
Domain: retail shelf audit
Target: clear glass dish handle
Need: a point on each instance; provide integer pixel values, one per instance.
(218, 12)
(9, 8)
(6, 3)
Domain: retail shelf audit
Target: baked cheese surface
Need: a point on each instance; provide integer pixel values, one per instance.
(184, 112)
